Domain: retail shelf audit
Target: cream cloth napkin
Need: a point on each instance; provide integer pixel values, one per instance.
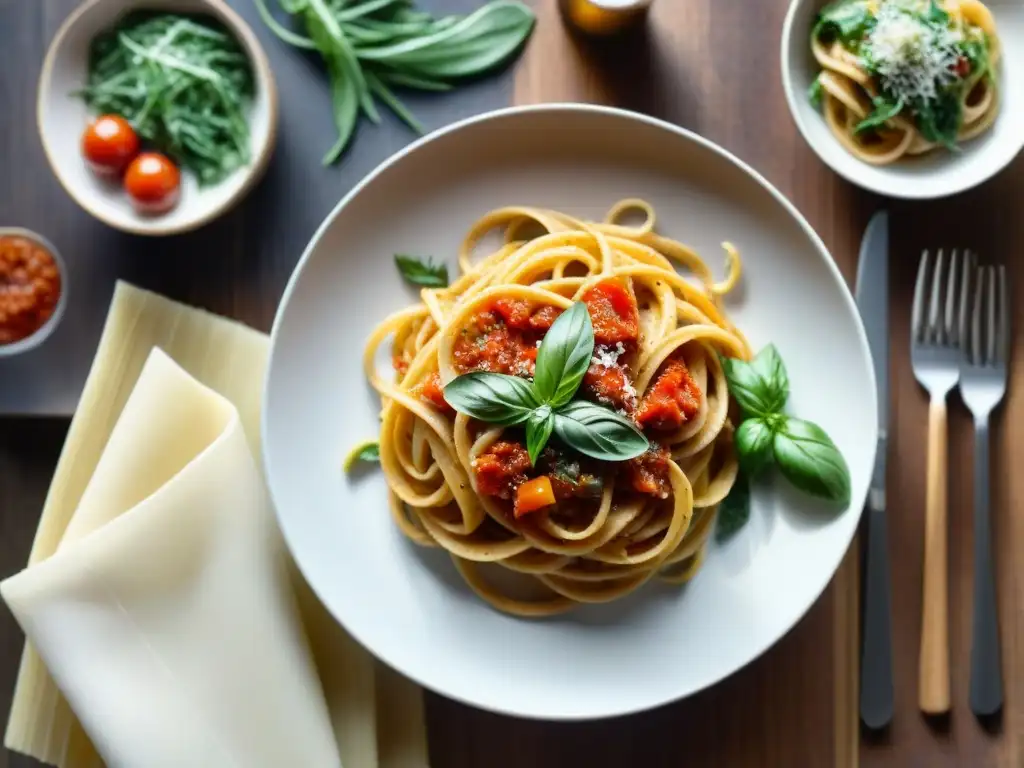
(168, 614)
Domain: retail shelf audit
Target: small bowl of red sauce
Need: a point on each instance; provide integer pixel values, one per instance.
(33, 290)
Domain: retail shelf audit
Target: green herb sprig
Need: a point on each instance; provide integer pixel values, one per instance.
(802, 451)
(845, 20)
(370, 47)
(183, 82)
(367, 451)
(422, 271)
(545, 406)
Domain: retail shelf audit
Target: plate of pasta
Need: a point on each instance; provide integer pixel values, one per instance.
(568, 413)
(908, 98)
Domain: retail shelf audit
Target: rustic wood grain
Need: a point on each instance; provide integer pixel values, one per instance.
(711, 66)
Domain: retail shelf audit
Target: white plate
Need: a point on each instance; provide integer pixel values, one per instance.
(937, 174)
(409, 606)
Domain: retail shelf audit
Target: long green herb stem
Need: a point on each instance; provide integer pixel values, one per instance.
(370, 47)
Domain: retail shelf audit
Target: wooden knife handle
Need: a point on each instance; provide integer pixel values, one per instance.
(933, 693)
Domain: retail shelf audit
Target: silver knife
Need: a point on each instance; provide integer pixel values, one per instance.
(872, 293)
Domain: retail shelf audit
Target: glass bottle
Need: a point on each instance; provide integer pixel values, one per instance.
(602, 18)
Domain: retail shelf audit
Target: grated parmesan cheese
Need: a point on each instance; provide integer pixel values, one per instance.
(912, 57)
(607, 358)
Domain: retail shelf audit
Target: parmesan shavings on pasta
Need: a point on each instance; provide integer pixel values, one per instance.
(912, 57)
(608, 357)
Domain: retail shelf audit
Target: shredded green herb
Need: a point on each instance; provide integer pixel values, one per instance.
(370, 47)
(183, 82)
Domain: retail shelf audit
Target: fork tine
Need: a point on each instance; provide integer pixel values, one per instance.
(990, 342)
(950, 327)
(975, 356)
(964, 320)
(1003, 328)
(917, 325)
(934, 330)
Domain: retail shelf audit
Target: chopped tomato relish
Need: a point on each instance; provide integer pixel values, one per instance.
(501, 469)
(504, 467)
(609, 384)
(432, 391)
(613, 312)
(504, 337)
(492, 345)
(672, 400)
(648, 472)
(519, 314)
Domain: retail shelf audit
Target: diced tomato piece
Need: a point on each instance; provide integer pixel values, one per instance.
(515, 312)
(496, 348)
(432, 391)
(648, 472)
(610, 385)
(533, 495)
(501, 469)
(544, 318)
(673, 400)
(399, 364)
(962, 68)
(613, 312)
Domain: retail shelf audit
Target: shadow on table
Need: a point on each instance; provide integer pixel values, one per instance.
(633, 70)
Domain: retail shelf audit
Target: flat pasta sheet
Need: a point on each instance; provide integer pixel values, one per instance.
(167, 430)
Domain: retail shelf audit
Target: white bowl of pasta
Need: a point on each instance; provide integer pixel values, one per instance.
(915, 99)
(560, 390)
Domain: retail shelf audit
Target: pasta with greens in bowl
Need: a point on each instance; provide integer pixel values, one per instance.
(902, 78)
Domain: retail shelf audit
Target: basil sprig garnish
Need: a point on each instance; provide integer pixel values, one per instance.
(544, 406)
(564, 357)
(760, 387)
(422, 271)
(803, 452)
(599, 432)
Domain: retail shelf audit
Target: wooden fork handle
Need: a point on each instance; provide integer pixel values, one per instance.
(933, 693)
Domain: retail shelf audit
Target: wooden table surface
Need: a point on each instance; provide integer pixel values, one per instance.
(710, 66)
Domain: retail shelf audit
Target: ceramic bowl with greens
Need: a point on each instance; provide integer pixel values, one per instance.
(158, 116)
(914, 99)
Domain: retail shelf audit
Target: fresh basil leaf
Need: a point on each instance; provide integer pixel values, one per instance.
(809, 459)
(939, 121)
(976, 52)
(366, 451)
(847, 20)
(599, 432)
(538, 431)
(754, 446)
(492, 397)
(761, 387)
(422, 271)
(734, 511)
(935, 15)
(564, 356)
(815, 93)
(884, 111)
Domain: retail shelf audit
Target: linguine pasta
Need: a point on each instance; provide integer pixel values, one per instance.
(453, 480)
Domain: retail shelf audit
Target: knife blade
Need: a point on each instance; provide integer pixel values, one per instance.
(872, 295)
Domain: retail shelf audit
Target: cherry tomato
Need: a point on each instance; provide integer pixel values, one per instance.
(109, 144)
(153, 182)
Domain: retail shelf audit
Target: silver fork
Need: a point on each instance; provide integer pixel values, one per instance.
(986, 351)
(935, 356)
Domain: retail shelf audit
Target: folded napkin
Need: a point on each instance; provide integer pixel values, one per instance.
(167, 611)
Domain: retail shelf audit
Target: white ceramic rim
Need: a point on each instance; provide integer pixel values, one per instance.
(264, 80)
(43, 332)
(855, 508)
(923, 191)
